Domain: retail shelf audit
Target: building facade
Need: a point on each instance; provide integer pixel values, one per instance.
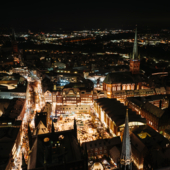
(155, 116)
(111, 113)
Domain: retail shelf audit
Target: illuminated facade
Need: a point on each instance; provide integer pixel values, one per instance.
(155, 117)
(123, 84)
(71, 100)
(123, 94)
(110, 113)
(116, 84)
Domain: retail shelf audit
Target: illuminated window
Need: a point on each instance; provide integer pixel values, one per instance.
(108, 88)
(113, 88)
(118, 88)
(128, 87)
(124, 87)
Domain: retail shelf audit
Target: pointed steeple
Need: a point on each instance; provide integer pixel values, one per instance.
(75, 128)
(135, 47)
(29, 137)
(52, 130)
(125, 159)
(13, 35)
(135, 59)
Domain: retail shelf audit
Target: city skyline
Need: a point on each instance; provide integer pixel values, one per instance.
(84, 86)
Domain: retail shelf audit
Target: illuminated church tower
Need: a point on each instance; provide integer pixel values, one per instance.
(125, 159)
(135, 59)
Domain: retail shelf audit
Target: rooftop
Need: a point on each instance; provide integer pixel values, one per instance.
(11, 108)
(117, 111)
(7, 139)
(123, 77)
(53, 149)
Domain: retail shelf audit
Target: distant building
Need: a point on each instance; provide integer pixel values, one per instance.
(123, 84)
(121, 81)
(135, 60)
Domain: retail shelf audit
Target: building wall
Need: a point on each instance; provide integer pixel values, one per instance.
(60, 109)
(11, 95)
(151, 120)
(134, 66)
(74, 97)
(105, 119)
(122, 91)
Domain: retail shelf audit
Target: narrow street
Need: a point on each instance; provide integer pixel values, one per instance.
(32, 105)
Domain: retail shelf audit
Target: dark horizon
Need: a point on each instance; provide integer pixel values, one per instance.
(78, 16)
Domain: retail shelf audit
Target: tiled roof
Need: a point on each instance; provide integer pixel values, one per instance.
(117, 111)
(153, 109)
(123, 77)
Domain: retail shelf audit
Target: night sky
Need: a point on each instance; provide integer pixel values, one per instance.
(50, 15)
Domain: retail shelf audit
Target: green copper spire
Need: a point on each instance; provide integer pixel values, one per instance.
(135, 47)
(13, 35)
(126, 146)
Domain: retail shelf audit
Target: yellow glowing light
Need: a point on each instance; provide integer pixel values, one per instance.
(46, 139)
(143, 135)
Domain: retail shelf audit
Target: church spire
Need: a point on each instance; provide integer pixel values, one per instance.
(135, 46)
(135, 59)
(125, 159)
(52, 129)
(75, 128)
(13, 35)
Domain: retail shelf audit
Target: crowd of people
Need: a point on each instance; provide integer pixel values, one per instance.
(88, 129)
(30, 112)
